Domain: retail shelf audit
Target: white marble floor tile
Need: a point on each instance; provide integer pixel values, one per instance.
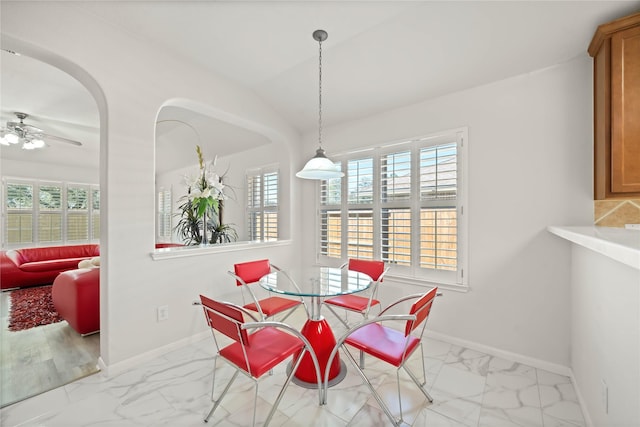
(458, 394)
(558, 399)
(468, 360)
(516, 417)
(469, 389)
(430, 418)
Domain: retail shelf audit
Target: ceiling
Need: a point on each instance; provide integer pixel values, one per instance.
(379, 55)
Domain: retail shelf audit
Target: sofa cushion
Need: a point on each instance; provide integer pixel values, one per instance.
(54, 264)
(28, 255)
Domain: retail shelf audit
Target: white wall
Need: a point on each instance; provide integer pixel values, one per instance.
(530, 147)
(46, 171)
(136, 80)
(605, 339)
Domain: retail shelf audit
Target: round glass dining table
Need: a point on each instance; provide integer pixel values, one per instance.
(317, 283)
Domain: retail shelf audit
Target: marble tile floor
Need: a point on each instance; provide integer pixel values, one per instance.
(469, 389)
(43, 358)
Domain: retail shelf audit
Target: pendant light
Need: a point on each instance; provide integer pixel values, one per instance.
(320, 167)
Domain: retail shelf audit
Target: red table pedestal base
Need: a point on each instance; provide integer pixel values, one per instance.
(321, 338)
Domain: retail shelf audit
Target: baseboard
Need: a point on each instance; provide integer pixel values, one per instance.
(493, 351)
(136, 361)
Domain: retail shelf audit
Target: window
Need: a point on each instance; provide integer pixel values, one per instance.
(49, 213)
(262, 204)
(401, 203)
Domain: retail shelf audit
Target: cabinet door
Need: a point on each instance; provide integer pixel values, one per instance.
(625, 111)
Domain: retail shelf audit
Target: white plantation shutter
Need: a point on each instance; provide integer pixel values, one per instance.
(49, 212)
(164, 226)
(360, 181)
(50, 218)
(262, 204)
(20, 212)
(402, 205)
(396, 235)
(95, 213)
(395, 176)
(77, 213)
(331, 217)
(270, 221)
(360, 234)
(438, 172)
(395, 204)
(438, 214)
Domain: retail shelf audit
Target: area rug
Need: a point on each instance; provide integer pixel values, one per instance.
(32, 307)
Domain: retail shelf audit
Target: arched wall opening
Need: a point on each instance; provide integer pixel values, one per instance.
(24, 48)
(236, 144)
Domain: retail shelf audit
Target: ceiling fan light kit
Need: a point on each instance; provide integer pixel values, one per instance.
(320, 166)
(31, 137)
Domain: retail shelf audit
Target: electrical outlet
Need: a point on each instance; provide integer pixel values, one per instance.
(163, 313)
(605, 397)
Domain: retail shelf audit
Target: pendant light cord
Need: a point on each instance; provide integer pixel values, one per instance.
(320, 94)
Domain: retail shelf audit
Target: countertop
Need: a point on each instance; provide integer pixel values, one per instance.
(620, 244)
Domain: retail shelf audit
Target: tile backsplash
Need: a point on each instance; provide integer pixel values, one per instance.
(616, 213)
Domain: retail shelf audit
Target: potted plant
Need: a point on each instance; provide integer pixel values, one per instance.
(200, 209)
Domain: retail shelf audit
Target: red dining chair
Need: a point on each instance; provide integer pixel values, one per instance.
(357, 303)
(247, 273)
(389, 345)
(256, 353)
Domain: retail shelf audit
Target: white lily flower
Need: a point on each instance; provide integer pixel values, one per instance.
(189, 180)
(218, 186)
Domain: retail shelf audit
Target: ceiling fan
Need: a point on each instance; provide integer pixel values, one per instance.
(30, 136)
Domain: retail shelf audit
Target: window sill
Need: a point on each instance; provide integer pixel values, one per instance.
(427, 283)
(189, 251)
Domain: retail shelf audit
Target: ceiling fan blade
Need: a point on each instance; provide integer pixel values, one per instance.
(61, 139)
(30, 129)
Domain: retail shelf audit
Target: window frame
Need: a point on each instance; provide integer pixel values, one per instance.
(35, 212)
(458, 279)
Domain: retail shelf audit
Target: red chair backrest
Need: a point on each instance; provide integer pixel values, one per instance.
(225, 319)
(371, 268)
(252, 271)
(421, 308)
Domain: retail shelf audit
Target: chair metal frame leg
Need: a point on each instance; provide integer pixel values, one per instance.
(417, 381)
(385, 408)
(282, 390)
(213, 385)
(217, 402)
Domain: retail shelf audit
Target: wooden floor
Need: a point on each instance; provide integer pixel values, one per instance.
(42, 358)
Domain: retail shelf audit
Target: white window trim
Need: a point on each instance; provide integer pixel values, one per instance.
(35, 210)
(461, 281)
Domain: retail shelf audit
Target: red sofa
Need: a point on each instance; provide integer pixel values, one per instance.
(40, 266)
(76, 297)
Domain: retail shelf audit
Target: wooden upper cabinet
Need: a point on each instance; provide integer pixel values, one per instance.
(615, 49)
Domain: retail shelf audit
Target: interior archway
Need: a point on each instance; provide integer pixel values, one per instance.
(93, 135)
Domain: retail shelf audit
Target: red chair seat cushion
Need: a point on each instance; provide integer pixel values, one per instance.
(273, 305)
(384, 343)
(351, 302)
(267, 348)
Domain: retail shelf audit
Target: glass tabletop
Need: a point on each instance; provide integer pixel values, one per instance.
(316, 282)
